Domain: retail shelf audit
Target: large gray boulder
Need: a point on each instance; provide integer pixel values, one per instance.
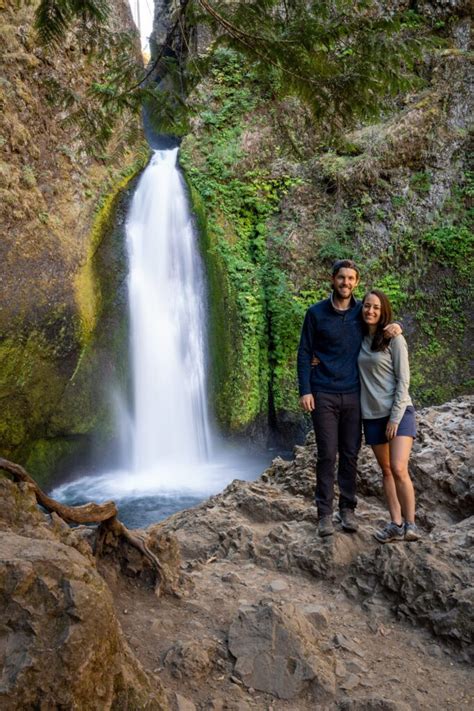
(276, 651)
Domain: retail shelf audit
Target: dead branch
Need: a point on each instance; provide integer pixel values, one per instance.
(88, 513)
(104, 514)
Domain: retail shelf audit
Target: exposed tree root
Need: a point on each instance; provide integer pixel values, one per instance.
(104, 514)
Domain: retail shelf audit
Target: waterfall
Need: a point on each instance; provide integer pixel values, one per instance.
(173, 457)
(168, 323)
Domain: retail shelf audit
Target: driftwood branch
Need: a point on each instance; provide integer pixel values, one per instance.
(104, 514)
(88, 513)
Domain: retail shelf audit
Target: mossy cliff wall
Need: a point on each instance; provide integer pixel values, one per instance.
(62, 261)
(276, 206)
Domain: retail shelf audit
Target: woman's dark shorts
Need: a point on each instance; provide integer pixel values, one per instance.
(374, 430)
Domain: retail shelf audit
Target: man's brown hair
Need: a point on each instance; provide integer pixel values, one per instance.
(344, 264)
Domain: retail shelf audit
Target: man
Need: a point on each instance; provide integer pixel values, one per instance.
(331, 337)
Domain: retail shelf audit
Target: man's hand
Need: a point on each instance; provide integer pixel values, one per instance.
(307, 403)
(392, 330)
(391, 430)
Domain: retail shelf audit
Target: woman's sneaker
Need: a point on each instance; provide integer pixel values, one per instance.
(391, 532)
(412, 532)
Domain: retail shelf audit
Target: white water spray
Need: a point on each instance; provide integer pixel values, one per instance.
(174, 459)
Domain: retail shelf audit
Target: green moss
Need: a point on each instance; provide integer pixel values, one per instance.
(87, 287)
(55, 380)
(46, 455)
(223, 316)
(232, 227)
(86, 406)
(420, 182)
(30, 386)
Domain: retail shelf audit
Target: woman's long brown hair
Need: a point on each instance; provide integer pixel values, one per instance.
(379, 341)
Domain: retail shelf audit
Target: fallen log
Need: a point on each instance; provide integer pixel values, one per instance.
(103, 514)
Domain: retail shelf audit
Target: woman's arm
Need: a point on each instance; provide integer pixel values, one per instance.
(401, 369)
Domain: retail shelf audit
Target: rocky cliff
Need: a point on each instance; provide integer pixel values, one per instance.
(261, 613)
(63, 266)
(277, 204)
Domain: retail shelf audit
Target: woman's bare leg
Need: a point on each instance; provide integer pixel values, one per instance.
(382, 455)
(400, 448)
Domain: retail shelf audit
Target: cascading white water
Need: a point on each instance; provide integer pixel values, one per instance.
(167, 299)
(173, 457)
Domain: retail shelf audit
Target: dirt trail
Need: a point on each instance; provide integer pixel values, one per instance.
(384, 658)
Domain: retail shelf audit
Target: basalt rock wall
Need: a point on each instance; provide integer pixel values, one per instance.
(276, 204)
(63, 268)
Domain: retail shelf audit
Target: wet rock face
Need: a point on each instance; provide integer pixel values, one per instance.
(276, 651)
(54, 285)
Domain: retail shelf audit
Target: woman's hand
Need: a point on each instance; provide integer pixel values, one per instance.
(307, 403)
(391, 430)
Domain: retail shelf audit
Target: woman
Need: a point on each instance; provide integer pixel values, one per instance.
(388, 414)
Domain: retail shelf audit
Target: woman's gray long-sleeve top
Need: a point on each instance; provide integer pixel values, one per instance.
(384, 380)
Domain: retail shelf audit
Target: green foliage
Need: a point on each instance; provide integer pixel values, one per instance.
(421, 182)
(343, 60)
(427, 275)
(451, 240)
(54, 17)
(244, 282)
(453, 246)
(398, 201)
(337, 57)
(390, 284)
(28, 176)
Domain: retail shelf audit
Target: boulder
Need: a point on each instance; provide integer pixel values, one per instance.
(430, 583)
(276, 651)
(190, 659)
(60, 641)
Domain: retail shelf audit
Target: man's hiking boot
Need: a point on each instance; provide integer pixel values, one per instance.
(390, 532)
(412, 532)
(325, 526)
(348, 520)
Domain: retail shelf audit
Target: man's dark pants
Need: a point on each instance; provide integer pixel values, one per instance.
(337, 426)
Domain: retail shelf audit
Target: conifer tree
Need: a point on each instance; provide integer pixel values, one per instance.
(343, 58)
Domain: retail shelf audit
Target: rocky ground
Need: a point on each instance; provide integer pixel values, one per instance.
(257, 611)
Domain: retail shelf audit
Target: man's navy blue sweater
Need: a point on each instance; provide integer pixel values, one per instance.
(335, 338)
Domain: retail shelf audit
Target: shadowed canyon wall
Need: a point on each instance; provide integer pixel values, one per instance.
(62, 293)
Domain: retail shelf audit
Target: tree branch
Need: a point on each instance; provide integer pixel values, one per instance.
(88, 513)
(104, 514)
